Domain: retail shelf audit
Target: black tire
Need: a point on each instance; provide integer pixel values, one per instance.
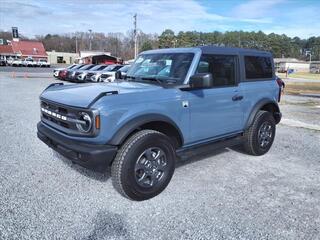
(256, 142)
(124, 168)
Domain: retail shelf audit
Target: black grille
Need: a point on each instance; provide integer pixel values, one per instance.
(64, 118)
(89, 75)
(62, 111)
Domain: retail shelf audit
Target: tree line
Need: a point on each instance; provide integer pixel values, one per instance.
(121, 44)
(279, 45)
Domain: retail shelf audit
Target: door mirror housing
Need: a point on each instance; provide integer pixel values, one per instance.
(201, 80)
(118, 75)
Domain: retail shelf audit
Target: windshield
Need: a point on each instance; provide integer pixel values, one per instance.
(98, 67)
(78, 66)
(169, 67)
(124, 68)
(102, 67)
(87, 67)
(112, 68)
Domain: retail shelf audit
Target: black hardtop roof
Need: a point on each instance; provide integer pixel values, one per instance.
(231, 50)
(212, 50)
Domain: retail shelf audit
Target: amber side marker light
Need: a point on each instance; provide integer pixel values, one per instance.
(97, 122)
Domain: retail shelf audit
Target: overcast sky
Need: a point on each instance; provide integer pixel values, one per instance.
(291, 17)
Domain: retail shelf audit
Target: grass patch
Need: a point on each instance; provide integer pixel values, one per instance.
(304, 75)
(305, 87)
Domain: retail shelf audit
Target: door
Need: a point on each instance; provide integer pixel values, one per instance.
(216, 111)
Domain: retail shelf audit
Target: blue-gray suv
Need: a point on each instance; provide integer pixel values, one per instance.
(172, 101)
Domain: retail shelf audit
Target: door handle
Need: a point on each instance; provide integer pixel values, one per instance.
(237, 98)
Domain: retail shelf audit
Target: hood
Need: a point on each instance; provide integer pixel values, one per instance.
(59, 69)
(81, 95)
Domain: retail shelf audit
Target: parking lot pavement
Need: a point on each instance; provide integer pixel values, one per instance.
(26, 69)
(301, 110)
(224, 194)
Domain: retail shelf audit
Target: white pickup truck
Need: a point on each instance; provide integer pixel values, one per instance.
(29, 62)
(43, 63)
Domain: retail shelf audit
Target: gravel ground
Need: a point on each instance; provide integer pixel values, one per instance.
(222, 195)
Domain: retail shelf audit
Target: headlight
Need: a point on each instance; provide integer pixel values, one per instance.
(95, 77)
(86, 124)
(81, 76)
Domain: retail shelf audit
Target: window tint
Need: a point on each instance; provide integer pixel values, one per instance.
(258, 67)
(221, 67)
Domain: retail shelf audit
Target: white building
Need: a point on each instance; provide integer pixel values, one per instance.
(62, 57)
(283, 64)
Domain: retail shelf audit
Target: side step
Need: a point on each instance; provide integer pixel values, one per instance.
(209, 146)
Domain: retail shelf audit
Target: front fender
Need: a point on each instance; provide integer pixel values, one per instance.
(126, 129)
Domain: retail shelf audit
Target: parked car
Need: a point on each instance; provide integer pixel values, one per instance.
(43, 63)
(72, 74)
(315, 70)
(86, 74)
(17, 62)
(108, 75)
(124, 70)
(56, 71)
(10, 61)
(107, 72)
(29, 62)
(172, 101)
(3, 61)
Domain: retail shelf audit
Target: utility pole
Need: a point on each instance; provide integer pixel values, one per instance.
(76, 43)
(90, 36)
(135, 36)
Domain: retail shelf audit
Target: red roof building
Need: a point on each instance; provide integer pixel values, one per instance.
(6, 50)
(24, 49)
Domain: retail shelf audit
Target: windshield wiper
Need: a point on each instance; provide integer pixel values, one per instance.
(162, 81)
(153, 79)
(144, 79)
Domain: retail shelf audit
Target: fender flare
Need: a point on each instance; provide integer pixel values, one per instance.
(125, 130)
(258, 106)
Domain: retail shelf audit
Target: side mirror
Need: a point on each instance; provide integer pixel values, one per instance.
(118, 75)
(201, 80)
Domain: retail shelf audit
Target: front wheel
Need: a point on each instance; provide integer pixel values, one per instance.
(144, 165)
(259, 137)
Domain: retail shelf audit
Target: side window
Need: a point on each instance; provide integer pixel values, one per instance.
(222, 68)
(258, 67)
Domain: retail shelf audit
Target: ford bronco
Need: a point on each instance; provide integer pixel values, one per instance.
(170, 102)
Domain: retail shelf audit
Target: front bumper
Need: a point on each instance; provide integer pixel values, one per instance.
(92, 156)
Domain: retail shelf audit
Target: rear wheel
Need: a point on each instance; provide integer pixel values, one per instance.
(259, 137)
(144, 165)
